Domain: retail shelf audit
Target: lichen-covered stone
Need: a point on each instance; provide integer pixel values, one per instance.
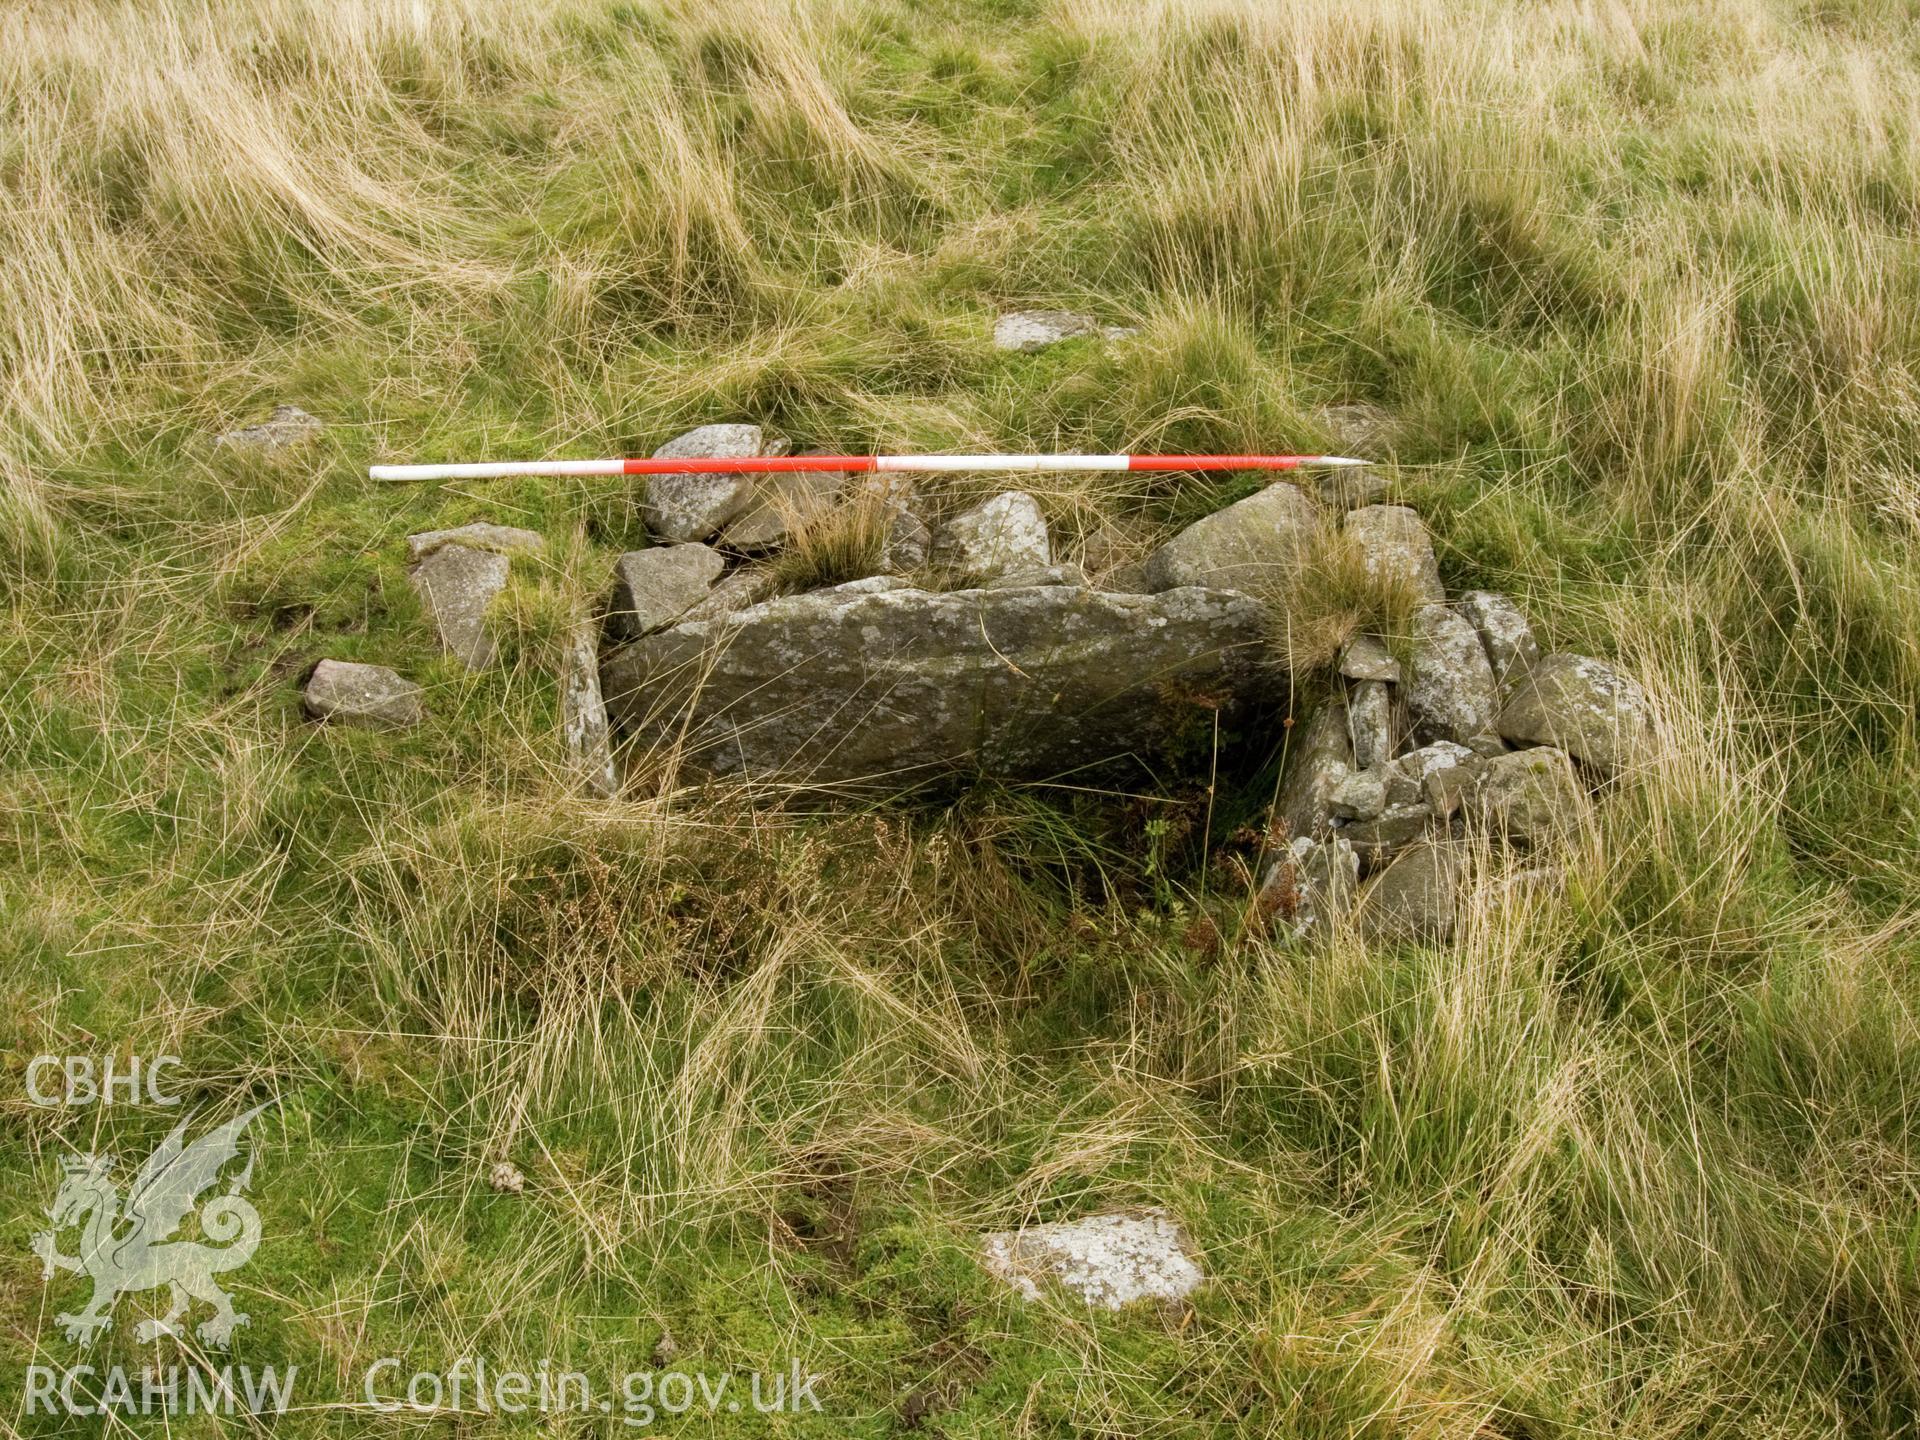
(1416, 897)
(1388, 833)
(684, 506)
(778, 504)
(1585, 707)
(456, 583)
(741, 590)
(1001, 536)
(1531, 797)
(288, 426)
(583, 716)
(656, 586)
(1360, 794)
(1366, 657)
(1319, 755)
(1408, 775)
(1452, 694)
(1107, 1261)
(1370, 718)
(908, 541)
(1309, 889)
(1504, 633)
(1253, 545)
(1395, 547)
(835, 687)
(481, 535)
(1029, 330)
(344, 692)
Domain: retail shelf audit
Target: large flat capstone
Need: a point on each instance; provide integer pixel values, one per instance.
(857, 684)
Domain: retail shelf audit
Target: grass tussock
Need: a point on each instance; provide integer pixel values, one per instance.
(1624, 293)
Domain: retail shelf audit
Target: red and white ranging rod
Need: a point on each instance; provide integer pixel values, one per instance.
(773, 464)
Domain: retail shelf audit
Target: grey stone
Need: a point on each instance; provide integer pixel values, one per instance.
(481, 535)
(907, 543)
(778, 504)
(1029, 330)
(1366, 657)
(1416, 897)
(1449, 788)
(741, 590)
(1407, 776)
(686, 506)
(1360, 795)
(1310, 888)
(1001, 536)
(1370, 718)
(834, 687)
(1253, 545)
(1504, 634)
(1107, 1261)
(1452, 695)
(1358, 428)
(1532, 797)
(871, 585)
(1319, 755)
(456, 583)
(1396, 548)
(1585, 707)
(1109, 545)
(1348, 487)
(583, 716)
(289, 425)
(1046, 575)
(1387, 833)
(352, 694)
(656, 586)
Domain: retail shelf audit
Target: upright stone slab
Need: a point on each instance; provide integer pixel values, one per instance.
(1416, 897)
(1584, 706)
(690, 506)
(656, 586)
(1395, 547)
(1319, 756)
(583, 715)
(1002, 536)
(1504, 633)
(1452, 695)
(456, 583)
(1252, 546)
(857, 684)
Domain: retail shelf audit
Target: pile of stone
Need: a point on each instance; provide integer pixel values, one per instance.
(1474, 729)
(971, 647)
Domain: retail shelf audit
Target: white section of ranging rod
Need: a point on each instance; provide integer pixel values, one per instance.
(497, 469)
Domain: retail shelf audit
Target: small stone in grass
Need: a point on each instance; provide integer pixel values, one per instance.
(505, 1178)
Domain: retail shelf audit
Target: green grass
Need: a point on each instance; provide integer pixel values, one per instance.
(1634, 289)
